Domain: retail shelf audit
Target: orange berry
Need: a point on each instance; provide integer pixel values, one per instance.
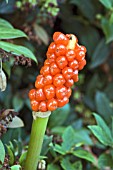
(43, 106)
(75, 76)
(46, 63)
(73, 64)
(81, 64)
(47, 79)
(51, 47)
(61, 92)
(62, 102)
(34, 105)
(69, 91)
(45, 70)
(49, 91)
(69, 83)
(58, 80)
(67, 73)
(40, 96)
(60, 50)
(80, 55)
(70, 55)
(54, 68)
(61, 62)
(39, 81)
(32, 94)
(60, 38)
(52, 104)
(51, 57)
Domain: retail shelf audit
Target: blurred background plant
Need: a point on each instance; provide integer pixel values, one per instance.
(72, 140)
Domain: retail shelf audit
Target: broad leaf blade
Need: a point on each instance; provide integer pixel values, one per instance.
(5, 24)
(106, 3)
(100, 54)
(11, 33)
(84, 155)
(17, 50)
(2, 152)
(66, 164)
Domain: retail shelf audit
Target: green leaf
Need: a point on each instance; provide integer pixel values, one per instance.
(16, 123)
(88, 8)
(84, 155)
(58, 130)
(11, 155)
(56, 118)
(17, 103)
(59, 149)
(22, 158)
(11, 33)
(78, 165)
(16, 167)
(106, 3)
(107, 27)
(105, 160)
(100, 54)
(2, 152)
(68, 138)
(42, 34)
(5, 24)
(104, 127)
(103, 106)
(53, 167)
(66, 164)
(100, 134)
(17, 50)
(46, 142)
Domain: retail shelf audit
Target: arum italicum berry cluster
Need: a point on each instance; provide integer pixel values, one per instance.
(65, 57)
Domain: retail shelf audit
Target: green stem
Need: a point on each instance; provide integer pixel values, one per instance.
(35, 144)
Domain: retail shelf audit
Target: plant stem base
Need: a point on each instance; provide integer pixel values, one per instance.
(35, 144)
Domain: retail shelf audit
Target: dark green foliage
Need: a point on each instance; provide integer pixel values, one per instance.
(73, 140)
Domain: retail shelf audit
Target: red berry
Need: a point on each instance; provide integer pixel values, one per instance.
(81, 64)
(51, 47)
(47, 79)
(60, 50)
(70, 55)
(69, 83)
(40, 96)
(39, 81)
(34, 105)
(69, 91)
(49, 91)
(51, 57)
(46, 63)
(58, 80)
(54, 69)
(61, 62)
(73, 64)
(45, 70)
(60, 38)
(62, 102)
(75, 76)
(61, 92)
(67, 73)
(43, 106)
(32, 94)
(80, 55)
(52, 104)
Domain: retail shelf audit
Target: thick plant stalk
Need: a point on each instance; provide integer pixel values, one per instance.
(35, 144)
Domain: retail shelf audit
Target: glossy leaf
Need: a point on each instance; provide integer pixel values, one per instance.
(66, 164)
(22, 158)
(84, 155)
(103, 106)
(16, 167)
(17, 50)
(105, 160)
(11, 33)
(2, 152)
(106, 3)
(5, 24)
(100, 54)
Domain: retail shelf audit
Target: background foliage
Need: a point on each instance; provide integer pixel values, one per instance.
(74, 140)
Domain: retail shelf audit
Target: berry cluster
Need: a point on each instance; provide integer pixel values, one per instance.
(53, 86)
